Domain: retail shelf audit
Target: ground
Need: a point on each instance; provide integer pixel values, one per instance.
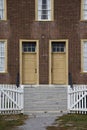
(8, 122)
(70, 122)
(66, 122)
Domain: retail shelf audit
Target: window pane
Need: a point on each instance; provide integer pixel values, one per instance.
(62, 49)
(1, 9)
(85, 56)
(58, 46)
(33, 49)
(85, 9)
(85, 64)
(44, 9)
(28, 46)
(85, 1)
(2, 56)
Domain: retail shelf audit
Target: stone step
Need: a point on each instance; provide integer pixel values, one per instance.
(45, 98)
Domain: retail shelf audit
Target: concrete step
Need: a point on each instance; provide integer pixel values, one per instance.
(45, 98)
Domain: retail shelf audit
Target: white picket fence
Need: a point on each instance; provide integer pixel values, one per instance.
(77, 99)
(11, 99)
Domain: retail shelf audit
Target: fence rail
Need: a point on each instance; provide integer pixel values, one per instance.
(77, 99)
(11, 99)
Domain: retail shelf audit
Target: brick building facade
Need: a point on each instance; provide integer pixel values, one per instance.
(66, 29)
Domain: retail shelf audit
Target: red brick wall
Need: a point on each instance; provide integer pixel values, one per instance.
(21, 24)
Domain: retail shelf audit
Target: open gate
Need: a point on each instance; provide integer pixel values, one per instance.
(11, 99)
(77, 99)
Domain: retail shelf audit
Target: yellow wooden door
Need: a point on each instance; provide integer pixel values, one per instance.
(29, 68)
(58, 68)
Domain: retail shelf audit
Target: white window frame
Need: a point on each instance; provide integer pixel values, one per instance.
(3, 15)
(38, 11)
(3, 56)
(84, 56)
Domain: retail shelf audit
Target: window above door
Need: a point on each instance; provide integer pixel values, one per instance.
(44, 10)
(28, 46)
(58, 46)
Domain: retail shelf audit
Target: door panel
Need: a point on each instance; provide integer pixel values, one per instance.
(29, 68)
(59, 68)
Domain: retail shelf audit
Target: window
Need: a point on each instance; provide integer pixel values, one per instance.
(84, 56)
(29, 46)
(84, 9)
(2, 56)
(44, 10)
(2, 9)
(58, 46)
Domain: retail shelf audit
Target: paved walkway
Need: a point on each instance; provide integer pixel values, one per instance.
(39, 122)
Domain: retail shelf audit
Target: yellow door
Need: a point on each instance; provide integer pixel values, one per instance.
(29, 68)
(29, 62)
(59, 65)
(58, 68)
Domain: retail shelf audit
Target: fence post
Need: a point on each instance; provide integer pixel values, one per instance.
(22, 99)
(70, 80)
(17, 80)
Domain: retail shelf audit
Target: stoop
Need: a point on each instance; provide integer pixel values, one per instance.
(45, 99)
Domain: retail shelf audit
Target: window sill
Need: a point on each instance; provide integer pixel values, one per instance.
(4, 72)
(44, 20)
(83, 20)
(59, 52)
(29, 52)
(82, 72)
(3, 20)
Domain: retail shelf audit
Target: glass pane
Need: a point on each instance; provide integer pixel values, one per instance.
(62, 49)
(25, 49)
(2, 49)
(53, 49)
(85, 49)
(2, 64)
(85, 55)
(29, 49)
(85, 64)
(58, 46)
(1, 9)
(85, 1)
(28, 46)
(44, 9)
(33, 49)
(2, 69)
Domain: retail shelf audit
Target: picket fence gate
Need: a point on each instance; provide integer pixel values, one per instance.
(11, 99)
(77, 99)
